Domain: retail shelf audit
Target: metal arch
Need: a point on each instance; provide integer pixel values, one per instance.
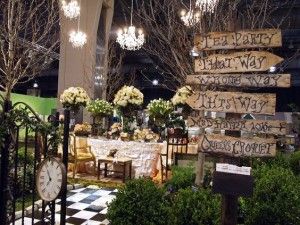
(30, 109)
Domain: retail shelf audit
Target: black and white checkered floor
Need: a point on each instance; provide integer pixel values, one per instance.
(84, 206)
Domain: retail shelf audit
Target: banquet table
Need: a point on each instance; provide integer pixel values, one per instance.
(145, 156)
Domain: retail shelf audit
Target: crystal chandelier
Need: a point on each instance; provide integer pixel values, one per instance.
(128, 38)
(71, 10)
(191, 17)
(78, 39)
(207, 5)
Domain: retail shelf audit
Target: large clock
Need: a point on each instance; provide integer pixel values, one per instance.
(51, 177)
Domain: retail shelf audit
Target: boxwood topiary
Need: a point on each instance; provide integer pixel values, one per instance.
(139, 202)
(199, 207)
(276, 198)
(182, 177)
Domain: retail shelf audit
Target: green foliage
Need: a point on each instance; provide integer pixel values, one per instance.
(195, 208)
(176, 121)
(281, 160)
(182, 177)
(295, 162)
(140, 202)
(276, 197)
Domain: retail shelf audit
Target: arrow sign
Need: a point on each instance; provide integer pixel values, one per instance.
(242, 80)
(255, 126)
(234, 102)
(238, 147)
(238, 40)
(237, 62)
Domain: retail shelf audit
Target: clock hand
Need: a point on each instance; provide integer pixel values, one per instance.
(48, 174)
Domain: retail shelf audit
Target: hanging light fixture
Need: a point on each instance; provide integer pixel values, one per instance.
(78, 38)
(191, 17)
(128, 38)
(207, 5)
(72, 9)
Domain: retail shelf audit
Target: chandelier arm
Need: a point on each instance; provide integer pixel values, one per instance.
(131, 13)
(78, 22)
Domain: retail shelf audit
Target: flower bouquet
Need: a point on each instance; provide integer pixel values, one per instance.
(99, 109)
(159, 111)
(180, 98)
(82, 129)
(73, 98)
(128, 99)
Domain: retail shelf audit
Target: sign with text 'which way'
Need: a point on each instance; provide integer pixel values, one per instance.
(233, 102)
(255, 126)
(238, 40)
(238, 147)
(238, 62)
(242, 80)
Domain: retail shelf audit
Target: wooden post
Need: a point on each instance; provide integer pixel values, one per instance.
(230, 203)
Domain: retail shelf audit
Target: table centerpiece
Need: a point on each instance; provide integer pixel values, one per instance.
(180, 98)
(99, 109)
(159, 111)
(128, 100)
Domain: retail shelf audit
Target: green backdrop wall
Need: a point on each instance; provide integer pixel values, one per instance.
(42, 106)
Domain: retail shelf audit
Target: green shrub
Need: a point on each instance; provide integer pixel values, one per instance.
(280, 159)
(182, 177)
(196, 208)
(295, 162)
(276, 198)
(139, 202)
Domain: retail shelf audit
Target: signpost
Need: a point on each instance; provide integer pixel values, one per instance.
(238, 147)
(215, 70)
(239, 39)
(234, 102)
(242, 80)
(250, 61)
(254, 126)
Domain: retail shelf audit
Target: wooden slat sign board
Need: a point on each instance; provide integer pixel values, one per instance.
(238, 62)
(242, 80)
(238, 147)
(233, 102)
(239, 39)
(255, 126)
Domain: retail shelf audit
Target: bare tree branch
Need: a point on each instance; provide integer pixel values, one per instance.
(29, 39)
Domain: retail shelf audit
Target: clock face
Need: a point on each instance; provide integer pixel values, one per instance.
(50, 179)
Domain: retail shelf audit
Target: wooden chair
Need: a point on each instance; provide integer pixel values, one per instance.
(177, 142)
(80, 152)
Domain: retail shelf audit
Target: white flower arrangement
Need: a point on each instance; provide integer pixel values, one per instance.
(100, 108)
(128, 95)
(182, 95)
(159, 108)
(74, 97)
(82, 129)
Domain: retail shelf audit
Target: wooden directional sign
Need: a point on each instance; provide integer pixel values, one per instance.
(234, 102)
(254, 126)
(242, 80)
(239, 40)
(238, 147)
(237, 62)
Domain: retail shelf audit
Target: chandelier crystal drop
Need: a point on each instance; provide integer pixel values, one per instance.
(72, 9)
(190, 18)
(78, 39)
(128, 38)
(207, 5)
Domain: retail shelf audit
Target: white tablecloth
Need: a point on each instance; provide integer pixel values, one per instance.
(144, 155)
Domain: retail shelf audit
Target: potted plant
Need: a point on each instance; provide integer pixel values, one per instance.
(82, 130)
